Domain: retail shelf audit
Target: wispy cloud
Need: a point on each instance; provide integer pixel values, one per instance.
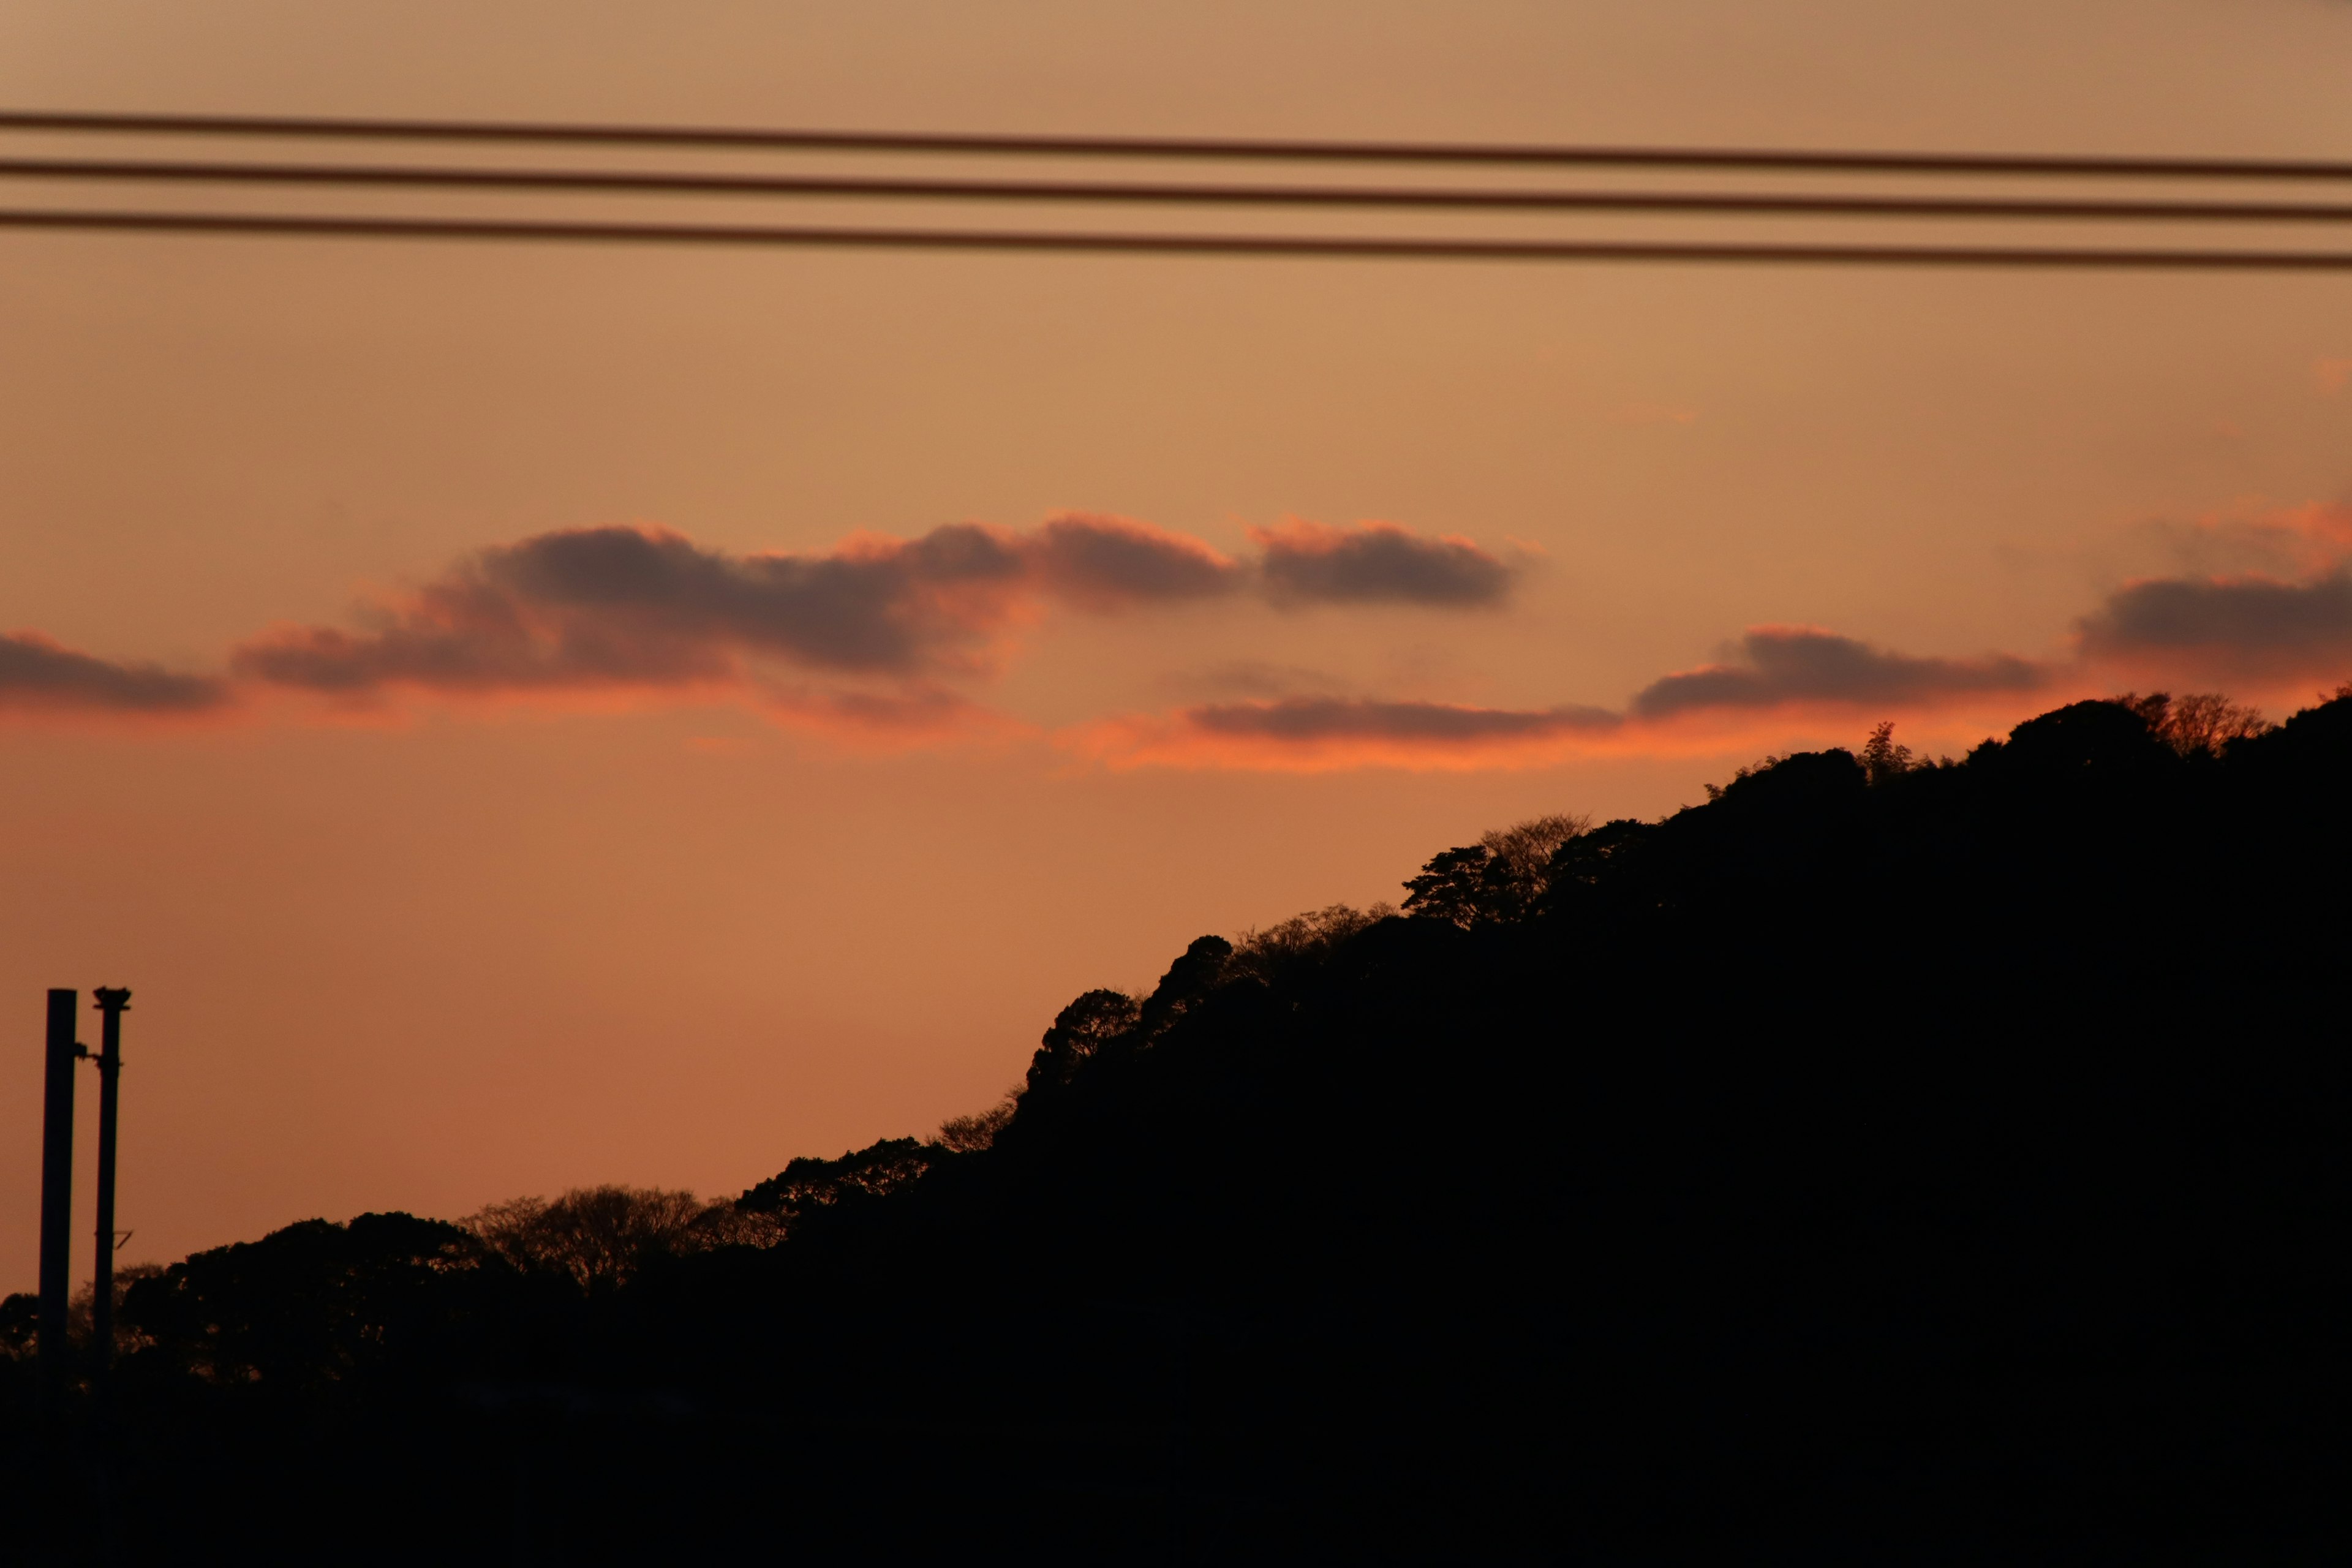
(1342, 719)
(2259, 591)
(1319, 733)
(2254, 538)
(1781, 666)
(1773, 675)
(39, 677)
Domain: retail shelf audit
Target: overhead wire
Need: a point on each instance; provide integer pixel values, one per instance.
(1301, 150)
(1868, 206)
(679, 183)
(1330, 246)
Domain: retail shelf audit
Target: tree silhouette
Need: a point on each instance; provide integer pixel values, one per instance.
(1879, 1160)
(1501, 877)
(1882, 758)
(2200, 725)
(1191, 979)
(20, 1325)
(1094, 1022)
(601, 1238)
(311, 1305)
(971, 1134)
(808, 1185)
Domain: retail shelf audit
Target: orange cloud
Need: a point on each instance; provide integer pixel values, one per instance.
(1776, 678)
(2255, 537)
(1778, 681)
(613, 609)
(40, 677)
(1329, 734)
(1377, 563)
(869, 646)
(870, 630)
(1784, 667)
(2250, 624)
(1113, 562)
(600, 609)
(1318, 734)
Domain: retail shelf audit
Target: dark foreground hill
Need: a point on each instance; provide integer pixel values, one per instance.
(1941, 1163)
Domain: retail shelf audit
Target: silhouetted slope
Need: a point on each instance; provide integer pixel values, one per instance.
(1886, 1161)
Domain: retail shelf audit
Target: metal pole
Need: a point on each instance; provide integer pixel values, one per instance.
(57, 1179)
(113, 1003)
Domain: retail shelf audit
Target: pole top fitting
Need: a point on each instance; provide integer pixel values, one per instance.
(114, 999)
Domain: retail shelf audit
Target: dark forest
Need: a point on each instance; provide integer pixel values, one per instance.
(1887, 1160)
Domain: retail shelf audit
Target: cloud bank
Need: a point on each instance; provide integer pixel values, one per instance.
(2196, 627)
(1106, 563)
(2249, 625)
(883, 641)
(38, 676)
(1377, 563)
(612, 608)
(1775, 671)
(1339, 719)
(606, 607)
(1780, 667)
(1316, 733)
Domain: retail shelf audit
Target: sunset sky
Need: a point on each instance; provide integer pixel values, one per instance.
(523, 717)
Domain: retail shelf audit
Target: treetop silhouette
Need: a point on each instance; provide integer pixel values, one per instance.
(1885, 1158)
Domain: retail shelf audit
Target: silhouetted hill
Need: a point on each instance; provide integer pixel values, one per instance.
(1881, 1161)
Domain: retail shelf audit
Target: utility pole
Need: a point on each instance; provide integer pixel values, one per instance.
(57, 1181)
(113, 1003)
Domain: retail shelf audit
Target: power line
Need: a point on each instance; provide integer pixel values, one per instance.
(1753, 159)
(672, 183)
(1369, 249)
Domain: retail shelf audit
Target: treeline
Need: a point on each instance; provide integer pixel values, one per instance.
(1887, 1158)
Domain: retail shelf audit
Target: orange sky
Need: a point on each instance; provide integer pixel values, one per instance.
(671, 891)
